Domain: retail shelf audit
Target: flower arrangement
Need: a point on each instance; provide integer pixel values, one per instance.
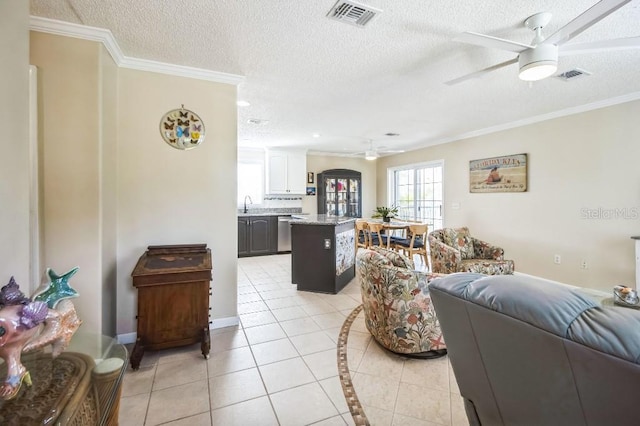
(386, 213)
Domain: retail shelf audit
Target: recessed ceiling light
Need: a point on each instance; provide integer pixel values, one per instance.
(243, 103)
(316, 135)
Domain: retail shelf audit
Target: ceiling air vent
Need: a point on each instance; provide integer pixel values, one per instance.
(257, 121)
(573, 74)
(353, 13)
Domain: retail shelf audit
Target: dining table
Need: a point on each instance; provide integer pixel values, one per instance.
(394, 225)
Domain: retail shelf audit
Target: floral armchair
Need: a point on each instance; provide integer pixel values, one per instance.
(397, 305)
(454, 250)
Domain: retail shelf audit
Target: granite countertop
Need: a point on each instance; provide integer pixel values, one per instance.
(262, 212)
(319, 219)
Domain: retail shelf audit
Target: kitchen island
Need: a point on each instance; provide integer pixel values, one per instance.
(322, 252)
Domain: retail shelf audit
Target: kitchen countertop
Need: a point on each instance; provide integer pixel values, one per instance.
(263, 213)
(319, 219)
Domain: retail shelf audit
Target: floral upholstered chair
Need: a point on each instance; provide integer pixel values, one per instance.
(397, 306)
(454, 250)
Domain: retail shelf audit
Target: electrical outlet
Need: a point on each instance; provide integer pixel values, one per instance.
(557, 259)
(583, 264)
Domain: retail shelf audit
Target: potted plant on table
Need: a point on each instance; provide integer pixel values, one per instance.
(386, 213)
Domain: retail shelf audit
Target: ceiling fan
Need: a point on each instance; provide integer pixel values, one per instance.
(539, 59)
(372, 153)
(369, 154)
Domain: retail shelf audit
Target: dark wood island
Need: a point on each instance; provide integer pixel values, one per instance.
(322, 252)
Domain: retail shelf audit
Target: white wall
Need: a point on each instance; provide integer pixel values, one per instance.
(14, 143)
(168, 196)
(319, 163)
(583, 161)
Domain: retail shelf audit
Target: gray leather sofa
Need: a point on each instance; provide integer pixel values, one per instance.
(530, 352)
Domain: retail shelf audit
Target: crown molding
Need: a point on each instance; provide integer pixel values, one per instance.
(68, 29)
(629, 97)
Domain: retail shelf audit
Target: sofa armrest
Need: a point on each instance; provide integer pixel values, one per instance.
(444, 258)
(484, 250)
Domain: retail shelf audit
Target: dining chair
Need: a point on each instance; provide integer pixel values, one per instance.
(415, 242)
(377, 236)
(362, 234)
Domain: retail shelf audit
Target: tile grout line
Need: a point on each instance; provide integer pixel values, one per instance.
(307, 315)
(273, 408)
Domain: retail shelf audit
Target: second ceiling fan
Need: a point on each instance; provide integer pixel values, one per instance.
(373, 153)
(539, 59)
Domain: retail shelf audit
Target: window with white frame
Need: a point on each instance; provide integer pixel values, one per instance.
(417, 191)
(250, 177)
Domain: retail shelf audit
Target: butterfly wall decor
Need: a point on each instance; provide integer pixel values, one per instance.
(178, 128)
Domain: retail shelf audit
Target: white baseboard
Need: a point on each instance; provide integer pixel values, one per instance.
(224, 322)
(543, 279)
(127, 338)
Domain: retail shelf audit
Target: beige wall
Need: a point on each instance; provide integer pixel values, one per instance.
(317, 164)
(72, 137)
(168, 196)
(14, 161)
(108, 197)
(111, 186)
(583, 161)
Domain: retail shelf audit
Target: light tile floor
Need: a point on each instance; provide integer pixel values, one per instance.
(279, 367)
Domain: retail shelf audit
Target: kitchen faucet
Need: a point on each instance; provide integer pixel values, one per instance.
(245, 202)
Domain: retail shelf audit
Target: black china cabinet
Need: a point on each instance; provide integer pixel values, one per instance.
(340, 193)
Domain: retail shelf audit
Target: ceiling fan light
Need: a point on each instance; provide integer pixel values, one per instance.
(538, 71)
(538, 63)
(370, 155)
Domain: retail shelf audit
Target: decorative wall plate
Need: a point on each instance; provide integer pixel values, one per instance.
(182, 128)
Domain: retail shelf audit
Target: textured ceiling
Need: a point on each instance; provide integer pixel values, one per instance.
(308, 74)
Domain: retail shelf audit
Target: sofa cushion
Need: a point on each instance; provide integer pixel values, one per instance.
(376, 258)
(460, 239)
(395, 258)
(486, 266)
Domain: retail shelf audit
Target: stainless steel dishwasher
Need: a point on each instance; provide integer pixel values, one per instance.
(284, 234)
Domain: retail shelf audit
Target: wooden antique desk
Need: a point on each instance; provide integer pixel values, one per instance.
(173, 285)
(80, 387)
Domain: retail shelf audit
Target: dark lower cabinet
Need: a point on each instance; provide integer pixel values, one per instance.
(257, 235)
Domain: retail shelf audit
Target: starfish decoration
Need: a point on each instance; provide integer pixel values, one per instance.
(57, 289)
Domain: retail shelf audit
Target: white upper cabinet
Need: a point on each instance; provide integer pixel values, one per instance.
(286, 172)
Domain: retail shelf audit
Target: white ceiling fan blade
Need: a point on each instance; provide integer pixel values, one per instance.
(480, 73)
(390, 151)
(493, 42)
(591, 16)
(600, 46)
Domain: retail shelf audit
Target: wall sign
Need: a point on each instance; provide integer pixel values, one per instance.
(499, 174)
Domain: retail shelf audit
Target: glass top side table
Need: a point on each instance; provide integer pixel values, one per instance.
(81, 386)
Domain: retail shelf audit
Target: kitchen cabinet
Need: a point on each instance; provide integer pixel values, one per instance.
(257, 235)
(286, 172)
(340, 193)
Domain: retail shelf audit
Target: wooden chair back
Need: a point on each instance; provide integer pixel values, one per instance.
(362, 230)
(376, 236)
(417, 232)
